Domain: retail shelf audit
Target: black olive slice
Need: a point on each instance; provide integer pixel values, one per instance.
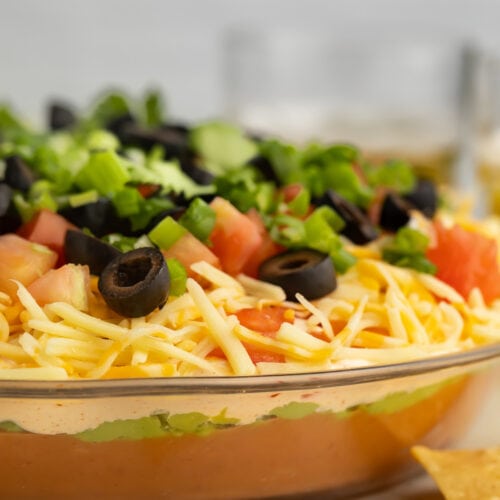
(395, 212)
(190, 166)
(135, 283)
(358, 227)
(81, 248)
(60, 116)
(181, 128)
(118, 125)
(265, 167)
(424, 197)
(18, 175)
(99, 217)
(5, 198)
(174, 141)
(9, 217)
(307, 272)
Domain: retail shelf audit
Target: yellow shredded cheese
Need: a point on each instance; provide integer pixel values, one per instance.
(378, 314)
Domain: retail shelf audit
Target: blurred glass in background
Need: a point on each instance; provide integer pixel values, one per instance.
(488, 150)
(409, 99)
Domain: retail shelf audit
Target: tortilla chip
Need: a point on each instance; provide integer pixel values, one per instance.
(463, 474)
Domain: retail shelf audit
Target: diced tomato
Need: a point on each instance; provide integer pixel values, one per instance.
(266, 320)
(49, 229)
(262, 356)
(23, 261)
(188, 250)
(235, 237)
(69, 283)
(148, 190)
(256, 355)
(465, 260)
(266, 250)
(291, 191)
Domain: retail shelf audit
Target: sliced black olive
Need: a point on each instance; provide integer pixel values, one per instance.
(358, 227)
(119, 124)
(60, 116)
(135, 283)
(174, 142)
(99, 217)
(180, 128)
(5, 198)
(81, 248)
(190, 166)
(395, 212)
(9, 217)
(265, 167)
(424, 197)
(308, 272)
(18, 174)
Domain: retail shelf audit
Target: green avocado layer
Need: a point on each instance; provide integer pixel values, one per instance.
(196, 423)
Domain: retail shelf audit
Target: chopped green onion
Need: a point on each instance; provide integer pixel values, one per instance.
(394, 174)
(79, 199)
(407, 249)
(154, 112)
(104, 171)
(127, 201)
(166, 233)
(199, 219)
(301, 203)
(178, 277)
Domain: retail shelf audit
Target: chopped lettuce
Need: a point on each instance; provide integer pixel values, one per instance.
(222, 146)
(105, 172)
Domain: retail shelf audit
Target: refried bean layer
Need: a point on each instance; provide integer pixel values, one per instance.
(320, 452)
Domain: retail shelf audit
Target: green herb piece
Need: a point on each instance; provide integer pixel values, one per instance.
(321, 234)
(199, 219)
(222, 146)
(101, 140)
(166, 233)
(321, 154)
(343, 179)
(301, 203)
(9, 123)
(104, 172)
(127, 201)
(178, 277)
(244, 189)
(284, 158)
(123, 243)
(407, 249)
(394, 174)
(109, 106)
(288, 231)
(167, 174)
(79, 199)
(149, 208)
(154, 108)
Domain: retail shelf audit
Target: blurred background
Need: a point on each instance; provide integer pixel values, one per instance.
(395, 76)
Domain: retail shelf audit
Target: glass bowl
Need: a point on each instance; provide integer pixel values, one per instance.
(335, 433)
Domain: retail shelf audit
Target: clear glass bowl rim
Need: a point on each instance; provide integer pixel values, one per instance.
(138, 387)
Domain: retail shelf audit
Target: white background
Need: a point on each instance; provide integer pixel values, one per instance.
(74, 48)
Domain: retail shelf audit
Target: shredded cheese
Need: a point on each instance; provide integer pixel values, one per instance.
(377, 314)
